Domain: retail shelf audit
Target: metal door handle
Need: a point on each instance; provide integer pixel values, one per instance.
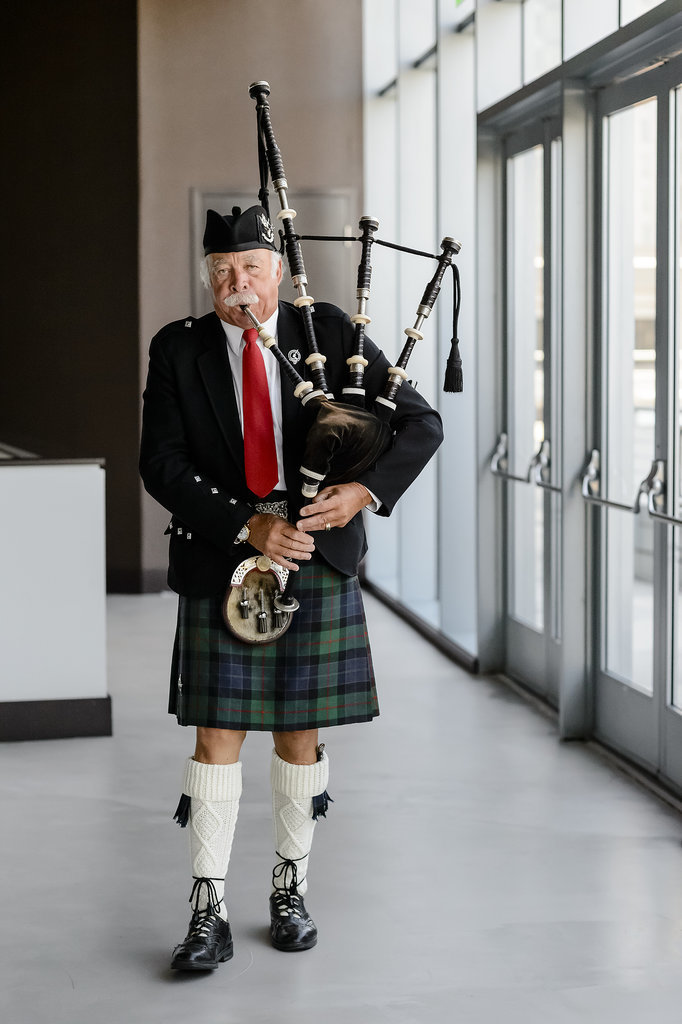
(591, 485)
(500, 461)
(538, 468)
(653, 486)
(591, 481)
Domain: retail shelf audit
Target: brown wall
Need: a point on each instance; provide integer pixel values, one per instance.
(69, 358)
(198, 129)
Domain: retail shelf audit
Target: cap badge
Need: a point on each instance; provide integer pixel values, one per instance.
(266, 229)
(294, 356)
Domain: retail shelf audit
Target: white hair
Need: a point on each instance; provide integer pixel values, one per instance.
(206, 265)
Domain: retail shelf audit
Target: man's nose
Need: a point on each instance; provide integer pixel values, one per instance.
(240, 281)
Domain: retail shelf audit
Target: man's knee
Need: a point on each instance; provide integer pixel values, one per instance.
(218, 746)
(297, 747)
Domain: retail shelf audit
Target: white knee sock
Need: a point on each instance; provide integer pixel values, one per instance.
(214, 790)
(293, 789)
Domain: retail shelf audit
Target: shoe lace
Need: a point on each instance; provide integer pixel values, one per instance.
(286, 881)
(289, 904)
(201, 916)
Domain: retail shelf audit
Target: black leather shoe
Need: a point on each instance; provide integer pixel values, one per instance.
(208, 943)
(291, 926)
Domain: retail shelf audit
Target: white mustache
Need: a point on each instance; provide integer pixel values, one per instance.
(240, 299)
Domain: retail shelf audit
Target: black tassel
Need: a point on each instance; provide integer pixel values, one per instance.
(321, 805)
(453, 382)
(182, 813)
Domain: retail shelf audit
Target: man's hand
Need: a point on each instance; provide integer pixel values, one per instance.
(279, 540)
(334, 506)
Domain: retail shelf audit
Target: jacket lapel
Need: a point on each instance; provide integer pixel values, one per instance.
(214, 369)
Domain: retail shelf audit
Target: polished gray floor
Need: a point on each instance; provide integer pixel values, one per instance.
(472, 869)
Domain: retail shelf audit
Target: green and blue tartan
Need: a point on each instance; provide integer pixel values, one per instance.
(319, 673)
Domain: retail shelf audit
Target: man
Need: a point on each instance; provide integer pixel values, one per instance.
(222, 442)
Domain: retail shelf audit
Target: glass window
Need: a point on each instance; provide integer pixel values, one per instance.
(541, 37)
(555, 426)
(677, 604)
(462, 9)
(417, 28)
(630, 386)
(458, 463)
(677, 284)
(631, 297)
(631, 9)
(525, 286)
(675, 484)
(380, 62)
(498, 52)
(525, 324)
(629, 599)
(527, 516)
(417, 228)
(586, 22)
(381, 201)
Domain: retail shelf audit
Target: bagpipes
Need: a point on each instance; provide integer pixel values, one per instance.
(344, 438)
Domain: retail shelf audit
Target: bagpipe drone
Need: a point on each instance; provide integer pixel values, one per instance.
(344, 438)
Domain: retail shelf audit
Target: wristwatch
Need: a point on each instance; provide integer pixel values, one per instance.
(243, 534)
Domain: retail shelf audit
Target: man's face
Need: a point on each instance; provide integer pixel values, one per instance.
(237, 275)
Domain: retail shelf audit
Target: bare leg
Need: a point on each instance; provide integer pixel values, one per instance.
(297, 747)
(218, 746)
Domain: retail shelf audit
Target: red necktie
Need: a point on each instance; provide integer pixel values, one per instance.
(260, 453)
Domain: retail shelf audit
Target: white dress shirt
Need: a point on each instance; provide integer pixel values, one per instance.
(235, 347)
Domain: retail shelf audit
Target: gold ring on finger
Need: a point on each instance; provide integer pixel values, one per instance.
(327, 526)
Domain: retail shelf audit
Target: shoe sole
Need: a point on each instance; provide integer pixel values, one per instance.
(294, 949)
(190, 965)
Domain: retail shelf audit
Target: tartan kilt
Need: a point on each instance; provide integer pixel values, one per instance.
(319, 673)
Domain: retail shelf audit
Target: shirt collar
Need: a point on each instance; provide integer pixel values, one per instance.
(234, 334)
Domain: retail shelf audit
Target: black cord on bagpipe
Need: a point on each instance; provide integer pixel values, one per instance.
(453, 382)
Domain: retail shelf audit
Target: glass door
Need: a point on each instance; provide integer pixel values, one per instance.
(672, 728)
(633, 477)
(525, 459)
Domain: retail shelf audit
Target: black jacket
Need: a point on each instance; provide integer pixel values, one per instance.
(192, 458)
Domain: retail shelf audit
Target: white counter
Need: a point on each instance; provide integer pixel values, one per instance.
(52, 587)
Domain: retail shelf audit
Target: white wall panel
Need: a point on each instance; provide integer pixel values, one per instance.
(52, 598)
